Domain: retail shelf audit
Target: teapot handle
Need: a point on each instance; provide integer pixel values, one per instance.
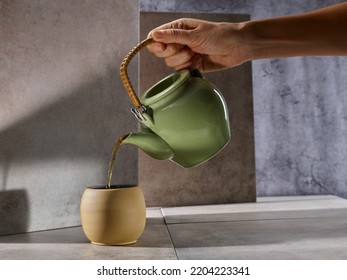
(125, 78)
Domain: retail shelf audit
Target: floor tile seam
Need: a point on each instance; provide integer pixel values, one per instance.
(171, 240)
(278, 211)
(41, 231)
(169, 233)
(256, 209)
(301, 197)
(302, 200)
(248, 220)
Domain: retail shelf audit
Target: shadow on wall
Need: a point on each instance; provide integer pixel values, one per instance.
(82, 125)
(62, 103)
(14, 211)
(53, 146)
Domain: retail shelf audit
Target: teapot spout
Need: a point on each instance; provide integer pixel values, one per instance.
(151, 144)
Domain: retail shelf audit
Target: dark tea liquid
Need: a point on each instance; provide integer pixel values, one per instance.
(115, 148)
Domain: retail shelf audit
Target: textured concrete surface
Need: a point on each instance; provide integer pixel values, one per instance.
(229, 176)
(71, 244)
(308, 227)
(312, 227)
(61, 106)
(263, 240)
(299, 106)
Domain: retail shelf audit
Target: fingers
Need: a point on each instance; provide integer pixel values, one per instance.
(164, 50)
(167, 36)
(168, 46)
(177, 31)
(182, 23)
(172, 41)
(194, 63)
(181, 57)
(175, 55)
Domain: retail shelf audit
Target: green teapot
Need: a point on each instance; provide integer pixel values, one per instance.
(184, 118)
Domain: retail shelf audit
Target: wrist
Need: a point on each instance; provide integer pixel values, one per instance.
(239, 42)
(272, 38)
(295, 35)
(260, 39)
(246, 40)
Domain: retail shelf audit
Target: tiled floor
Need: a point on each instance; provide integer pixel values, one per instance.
(306, 227)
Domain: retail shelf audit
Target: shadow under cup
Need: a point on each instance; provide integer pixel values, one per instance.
(114, 216)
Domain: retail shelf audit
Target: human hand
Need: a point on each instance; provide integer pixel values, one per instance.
(210, 46)
(191, 43)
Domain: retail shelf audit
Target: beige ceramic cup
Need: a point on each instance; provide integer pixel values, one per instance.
(115, 216)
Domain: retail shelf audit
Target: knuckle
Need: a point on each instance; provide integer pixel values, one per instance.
(175, 34)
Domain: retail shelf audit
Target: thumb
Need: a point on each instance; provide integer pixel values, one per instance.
(169, 36)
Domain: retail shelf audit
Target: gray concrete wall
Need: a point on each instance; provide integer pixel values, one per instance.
(299, 106)
(62, 105)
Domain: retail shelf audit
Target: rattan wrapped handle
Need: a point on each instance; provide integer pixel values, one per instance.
(124, 75)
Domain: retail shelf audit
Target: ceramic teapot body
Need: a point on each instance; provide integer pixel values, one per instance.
(185, 120)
